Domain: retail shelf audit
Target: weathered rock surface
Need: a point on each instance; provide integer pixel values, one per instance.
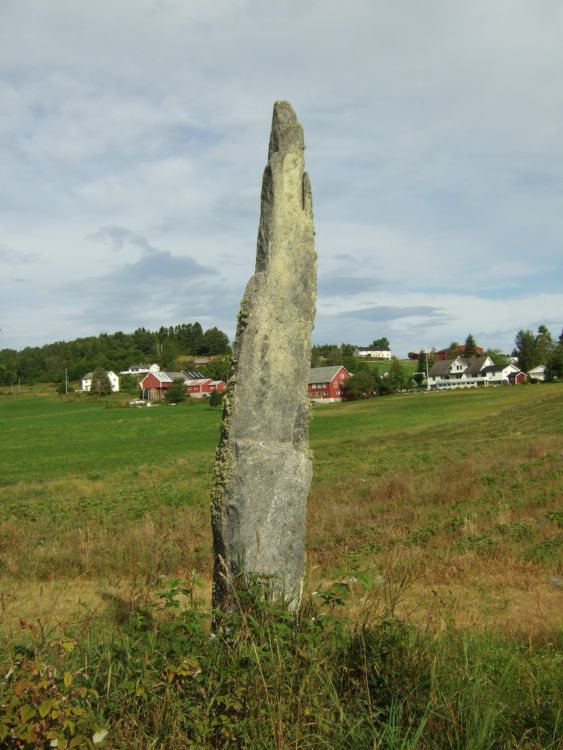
(263, 466)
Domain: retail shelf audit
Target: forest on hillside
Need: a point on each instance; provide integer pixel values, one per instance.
(109, 351)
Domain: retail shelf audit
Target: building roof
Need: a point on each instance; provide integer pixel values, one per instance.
(198, 381)
(441, 367)
(175, 375)
(475, 364)
(324, 374)
(194, 375)
(499, 368)
(163, 377)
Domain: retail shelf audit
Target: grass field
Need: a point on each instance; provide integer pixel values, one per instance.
(442, 512)
(456, 493)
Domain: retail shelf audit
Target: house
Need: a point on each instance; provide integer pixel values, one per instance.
(366, 351)
(203, 387)
(517, 378)
(459, 372)
(325, 383)
(141, 369)
(504, 374)
(442, 354)
(86, 381)
(154, 385)
(537, 373)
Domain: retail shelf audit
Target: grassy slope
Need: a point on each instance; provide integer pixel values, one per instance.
(457, 492)
(450, 502)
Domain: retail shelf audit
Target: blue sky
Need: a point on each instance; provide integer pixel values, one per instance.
(133, 135)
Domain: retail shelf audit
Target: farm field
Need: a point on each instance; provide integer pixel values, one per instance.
(454, 500)
(432, 610)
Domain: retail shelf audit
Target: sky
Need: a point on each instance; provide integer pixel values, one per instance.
(134, 133)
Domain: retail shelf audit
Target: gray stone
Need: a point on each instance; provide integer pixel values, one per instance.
(263, 465)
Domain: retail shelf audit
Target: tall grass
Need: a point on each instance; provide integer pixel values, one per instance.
(269, 680)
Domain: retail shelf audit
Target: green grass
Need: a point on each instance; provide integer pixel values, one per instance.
(445, 507)
(87, 464)
(44, 439)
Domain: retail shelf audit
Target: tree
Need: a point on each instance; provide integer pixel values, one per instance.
(525, 350)
(554, 369)
(176, 392)
(544, 345)
(470, 348)
(214, 341)
(381, 344)
(100, 384)
(397, 377)
(218, 369)
(360, 385)
(420, 375)
(215, 398)
(129, 384)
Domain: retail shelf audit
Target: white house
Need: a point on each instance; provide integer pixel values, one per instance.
(86, 381)
(366, 351)
(459, 372)
(501, 374)
(140, 369)
(537, 373)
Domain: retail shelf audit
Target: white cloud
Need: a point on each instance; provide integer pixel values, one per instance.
(434, 148)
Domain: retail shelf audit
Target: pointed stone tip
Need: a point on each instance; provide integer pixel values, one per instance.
(284, 113)
(287, 133)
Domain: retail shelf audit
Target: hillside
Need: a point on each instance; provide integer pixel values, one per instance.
(432, 608)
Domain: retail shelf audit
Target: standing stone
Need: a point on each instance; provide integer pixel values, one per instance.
(263, 465)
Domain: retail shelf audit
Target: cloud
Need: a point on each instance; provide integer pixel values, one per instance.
(157, 288)
(385, 314)
(15, 257)
(346, 286)
(433, 146)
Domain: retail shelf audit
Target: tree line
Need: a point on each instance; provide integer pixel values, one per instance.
(109, 351)
(533, 349)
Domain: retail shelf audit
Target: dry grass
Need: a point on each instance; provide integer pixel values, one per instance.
(456, 521)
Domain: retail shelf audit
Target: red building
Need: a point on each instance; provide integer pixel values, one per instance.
(444, 354)
(155, 384)
(325, 383)
(517, 378)
(201, 387)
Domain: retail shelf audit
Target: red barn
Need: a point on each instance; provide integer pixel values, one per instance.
(517, 378)
(154, 385)
(325, 383)
(443, 354)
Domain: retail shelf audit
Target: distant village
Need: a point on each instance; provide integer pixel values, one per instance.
(458, 366)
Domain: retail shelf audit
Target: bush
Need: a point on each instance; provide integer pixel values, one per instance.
(176, 393)
(215, 398)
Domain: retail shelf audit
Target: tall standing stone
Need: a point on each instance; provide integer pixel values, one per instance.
(263, 465)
